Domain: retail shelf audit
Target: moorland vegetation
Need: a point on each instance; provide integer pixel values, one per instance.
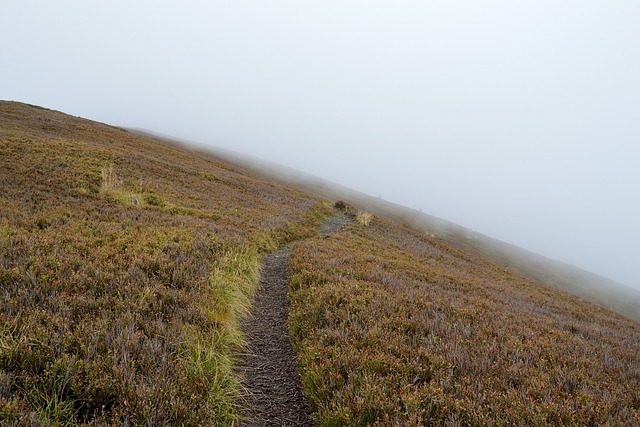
(127, 264)
(396, 327)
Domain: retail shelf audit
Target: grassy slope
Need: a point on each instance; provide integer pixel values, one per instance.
(396, 327)
(595, 289)
(125, 264)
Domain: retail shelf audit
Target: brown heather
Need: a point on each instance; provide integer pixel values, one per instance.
(125, 265)
(396, 328)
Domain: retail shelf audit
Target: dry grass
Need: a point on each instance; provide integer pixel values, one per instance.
(363, 218)
(396, 328)
(125, 264)
(110, 180)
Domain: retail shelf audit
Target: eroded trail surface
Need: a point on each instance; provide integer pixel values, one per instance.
(269, 366)
(332, 225)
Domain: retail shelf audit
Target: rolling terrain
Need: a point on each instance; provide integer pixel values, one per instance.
(129, 265)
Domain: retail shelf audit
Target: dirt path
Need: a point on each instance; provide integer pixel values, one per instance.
(332, 225)
(269, 366)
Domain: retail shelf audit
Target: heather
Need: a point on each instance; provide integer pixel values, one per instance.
(126, 264)
(395, 327)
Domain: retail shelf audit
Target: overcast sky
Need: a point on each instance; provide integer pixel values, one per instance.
(518, 119)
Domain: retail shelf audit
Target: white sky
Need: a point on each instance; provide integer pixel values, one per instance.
(519, 119)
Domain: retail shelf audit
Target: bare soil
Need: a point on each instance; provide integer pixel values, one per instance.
(332, 225)
(274, 394)
(269, 366)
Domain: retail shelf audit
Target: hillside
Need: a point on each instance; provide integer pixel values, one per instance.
(592, 287)
(127, 266)
(397, 327)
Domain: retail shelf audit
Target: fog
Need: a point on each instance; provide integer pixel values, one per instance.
(520, 120)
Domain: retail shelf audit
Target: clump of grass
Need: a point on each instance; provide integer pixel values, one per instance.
(110, 180)
(113, 186)
(363, 218)
(153, 199)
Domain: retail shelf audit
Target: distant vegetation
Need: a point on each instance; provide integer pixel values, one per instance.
(126, 265)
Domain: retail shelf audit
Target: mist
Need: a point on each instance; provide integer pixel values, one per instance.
(516, 119)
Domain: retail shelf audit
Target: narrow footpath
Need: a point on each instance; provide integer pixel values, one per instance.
(269, 367)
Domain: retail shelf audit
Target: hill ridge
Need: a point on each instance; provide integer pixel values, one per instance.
(594, 288)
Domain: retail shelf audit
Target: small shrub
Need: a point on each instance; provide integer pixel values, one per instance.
(340, 205)
(153, 200)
